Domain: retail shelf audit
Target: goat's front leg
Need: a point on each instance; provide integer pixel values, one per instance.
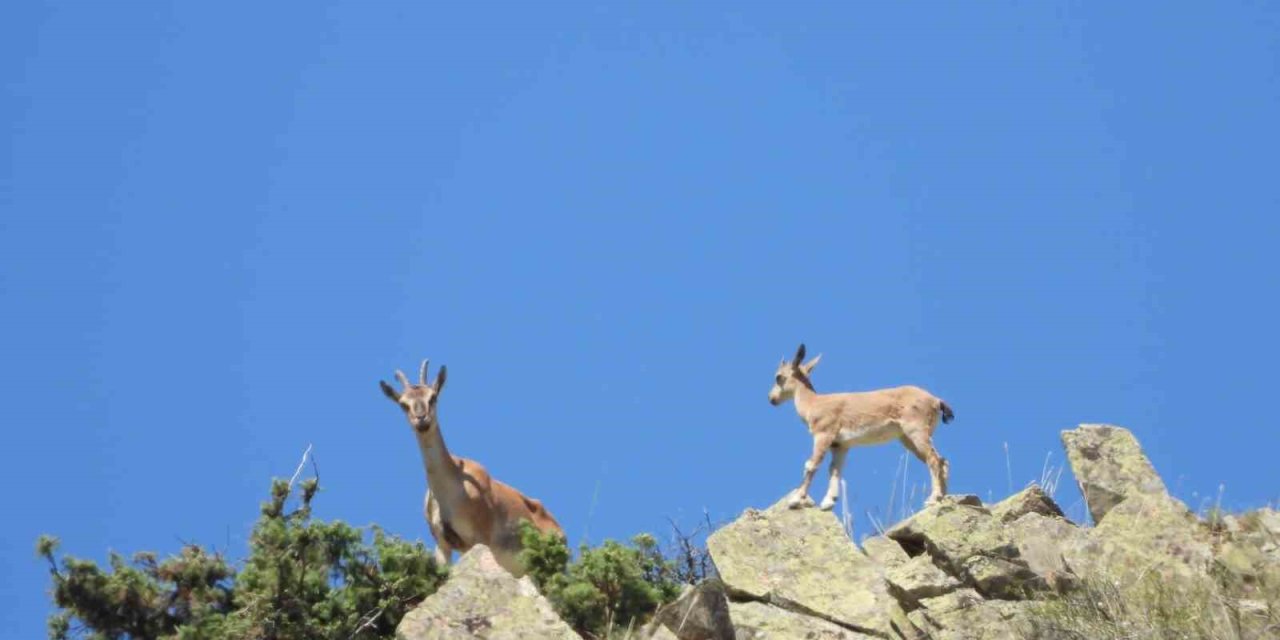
(444, 551)
(821, 442)
(838, 454)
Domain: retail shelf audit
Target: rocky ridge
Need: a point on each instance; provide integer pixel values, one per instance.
(957, 569)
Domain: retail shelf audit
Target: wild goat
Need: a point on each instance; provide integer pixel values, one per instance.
(464, 505)
(839, 421)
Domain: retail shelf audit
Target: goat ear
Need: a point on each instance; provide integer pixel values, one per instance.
(389, 391)
(799, 355)
(807, 367)
(440, 377)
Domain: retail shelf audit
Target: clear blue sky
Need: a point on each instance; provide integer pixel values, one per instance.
(222, 223)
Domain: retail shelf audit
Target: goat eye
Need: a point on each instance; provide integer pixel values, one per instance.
(778, 379)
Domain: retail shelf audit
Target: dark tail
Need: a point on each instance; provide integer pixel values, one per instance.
(947, 414)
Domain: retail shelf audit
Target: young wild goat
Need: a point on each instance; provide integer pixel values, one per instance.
(839, 421)
(464, 506)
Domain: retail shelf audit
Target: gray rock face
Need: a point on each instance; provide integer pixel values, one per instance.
(760, 621)
(1110, 467)
(1145, 534)
(700, 613)
(1029, 500)
(1042, 541)
(968, 542)
(885, 552)
(801, 560)
(483, 600)
(964, 615)
(919, 578)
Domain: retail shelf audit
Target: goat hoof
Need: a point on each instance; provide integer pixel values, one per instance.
(827, 505)
(800, 503)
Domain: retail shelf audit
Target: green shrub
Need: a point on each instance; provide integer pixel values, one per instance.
(303, 578)
(612, 586)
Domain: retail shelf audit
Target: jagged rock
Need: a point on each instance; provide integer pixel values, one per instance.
(884, 552)
(760, 621)
(969, 543)
(1043, 541)
(700, 613)
(1029, 500)
(964, 615)
(801, 560)
(919, 578)
(1110, 466)
(482, 600)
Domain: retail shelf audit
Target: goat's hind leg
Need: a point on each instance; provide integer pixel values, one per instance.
(920, 444)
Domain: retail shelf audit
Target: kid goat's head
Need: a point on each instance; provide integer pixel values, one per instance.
(791, 376)
(417, 400)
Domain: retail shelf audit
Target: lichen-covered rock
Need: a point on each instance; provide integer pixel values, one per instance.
(968, 542)
(801, 560)
(1030, 500)
(885, 552)
(1109, 466)
(1145, 534)
(482, 600)
(919, 578)
(760, 621)
(1043, 541)
(700, 613)
(964, 615)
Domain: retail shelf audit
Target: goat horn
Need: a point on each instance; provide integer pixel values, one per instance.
(422, 372)
(404, 381)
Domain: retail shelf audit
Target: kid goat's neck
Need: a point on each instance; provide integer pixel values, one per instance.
(803, 396)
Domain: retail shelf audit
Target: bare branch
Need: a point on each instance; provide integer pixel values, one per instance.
(301, 464)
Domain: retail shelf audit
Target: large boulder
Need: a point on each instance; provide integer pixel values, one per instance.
(760, 621)
(802, 561)
(700, 613)
(1110, 467)
(968, 542)
(482, 600)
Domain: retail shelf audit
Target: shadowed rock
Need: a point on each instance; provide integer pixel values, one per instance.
(969, 543)
(700, 613)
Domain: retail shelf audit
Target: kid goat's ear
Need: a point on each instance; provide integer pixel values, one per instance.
(807, 367)
(389, 391)
(799, 355)
(440, 378)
